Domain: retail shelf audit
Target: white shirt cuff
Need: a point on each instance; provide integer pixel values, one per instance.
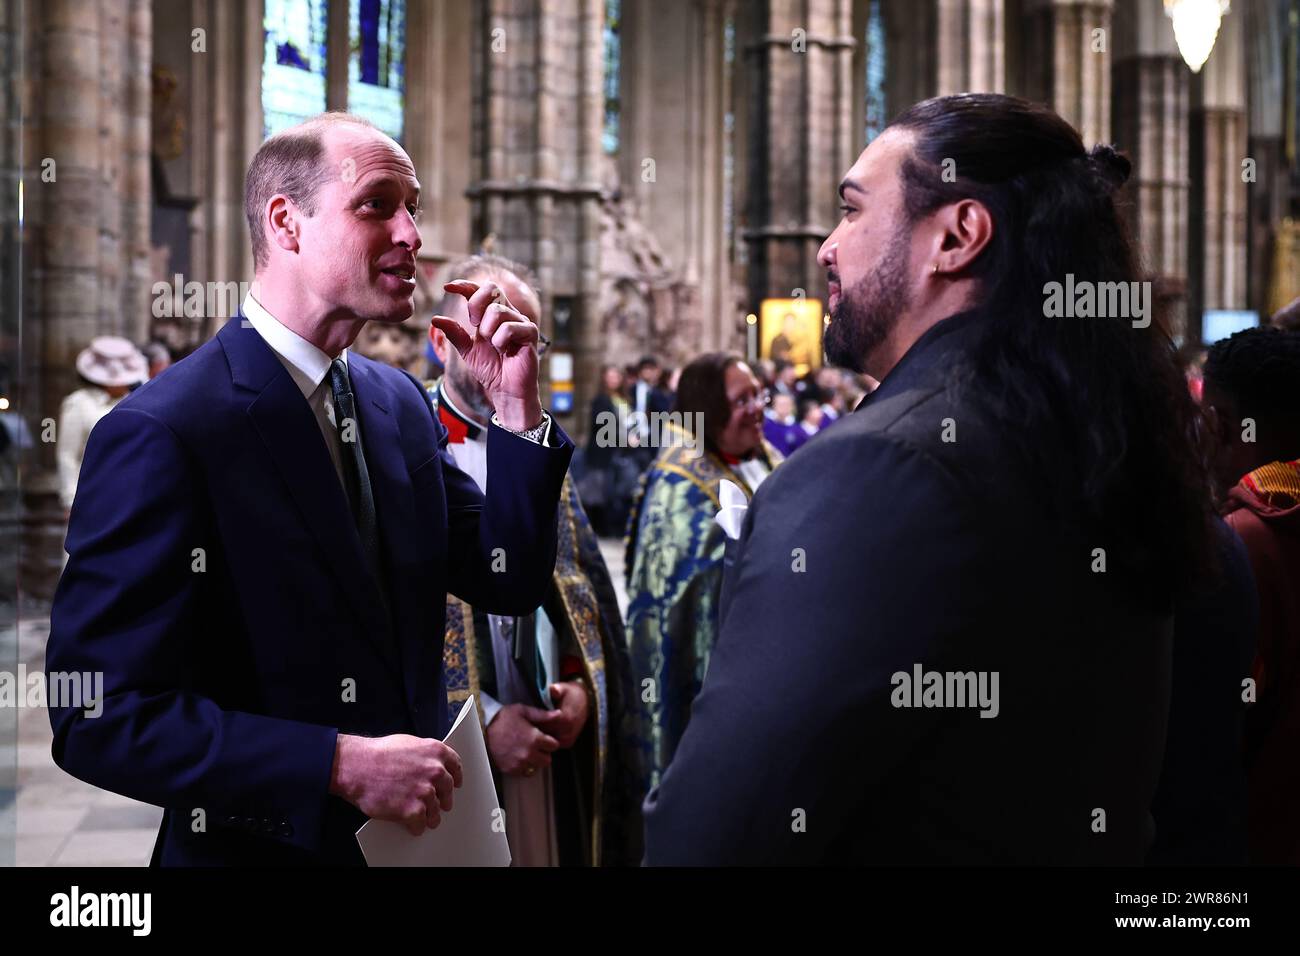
(491, 706)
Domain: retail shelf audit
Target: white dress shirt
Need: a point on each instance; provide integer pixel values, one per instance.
(309, 368)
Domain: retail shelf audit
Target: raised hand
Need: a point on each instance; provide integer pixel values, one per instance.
(499, 344)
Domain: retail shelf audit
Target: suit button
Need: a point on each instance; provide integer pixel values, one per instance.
(285, 830)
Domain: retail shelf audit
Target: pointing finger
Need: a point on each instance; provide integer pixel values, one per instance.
(487, 294)
(456, 333)
(461, 287)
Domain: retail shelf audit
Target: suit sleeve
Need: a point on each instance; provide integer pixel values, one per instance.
(833, 594)
(124, 609)
(502, 545)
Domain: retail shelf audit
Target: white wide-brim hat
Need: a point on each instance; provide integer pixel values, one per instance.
(112, 360)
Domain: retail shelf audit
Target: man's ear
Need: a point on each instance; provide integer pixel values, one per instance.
(282, 217)
(439, 343)
(966, 229)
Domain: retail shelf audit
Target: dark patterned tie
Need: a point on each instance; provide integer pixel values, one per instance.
(361, 496)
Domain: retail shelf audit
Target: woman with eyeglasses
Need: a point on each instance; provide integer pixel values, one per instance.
(675, 547)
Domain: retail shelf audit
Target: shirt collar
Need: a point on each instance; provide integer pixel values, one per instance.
(460, 427)
(307, 365)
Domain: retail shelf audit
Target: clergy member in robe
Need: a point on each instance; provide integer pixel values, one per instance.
(675, 548)
(553, 686)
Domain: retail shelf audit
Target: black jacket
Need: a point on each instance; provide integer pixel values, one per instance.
(909, 535)
(1200, 805)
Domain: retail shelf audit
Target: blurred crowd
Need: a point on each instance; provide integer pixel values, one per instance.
(789, 409)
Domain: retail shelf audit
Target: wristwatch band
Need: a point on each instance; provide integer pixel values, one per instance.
(536, 434)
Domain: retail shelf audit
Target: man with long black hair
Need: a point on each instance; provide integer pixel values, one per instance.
(947, 634)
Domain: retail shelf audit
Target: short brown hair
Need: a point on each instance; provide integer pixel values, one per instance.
(291, 162)
(486, 265)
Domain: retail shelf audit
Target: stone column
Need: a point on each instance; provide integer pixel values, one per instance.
(136, 185)
(1269, 196)
(911, 53)
(1216, 265)
(86, 93)
(207, 131)
(1066, 60)
(228, 131)
(971, 51)
(13, 70)
(942, 47)
(336, 53)
(438, 129)
(538, 112)
(801, 139)
(670, 156)
(1151, 106)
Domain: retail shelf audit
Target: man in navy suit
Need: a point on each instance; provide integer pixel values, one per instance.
(263, 539)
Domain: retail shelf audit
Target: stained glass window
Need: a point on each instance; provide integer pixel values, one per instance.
(613, 56)
(876, 119)
(377, 62)
(293, 65)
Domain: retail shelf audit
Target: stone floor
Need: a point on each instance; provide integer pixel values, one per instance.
(56, 820)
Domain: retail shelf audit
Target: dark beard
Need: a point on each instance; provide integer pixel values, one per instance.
(469, 393)
(867, 313)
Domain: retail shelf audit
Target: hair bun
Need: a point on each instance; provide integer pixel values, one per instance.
(1112, 166)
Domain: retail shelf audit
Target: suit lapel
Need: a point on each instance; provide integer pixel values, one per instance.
(285, 423)
(395, 504)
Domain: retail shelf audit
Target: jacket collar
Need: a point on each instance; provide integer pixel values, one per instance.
(936, 348)
(307, 364)
(287, 427)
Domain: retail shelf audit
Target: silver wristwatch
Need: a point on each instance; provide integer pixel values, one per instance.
(535, 434)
